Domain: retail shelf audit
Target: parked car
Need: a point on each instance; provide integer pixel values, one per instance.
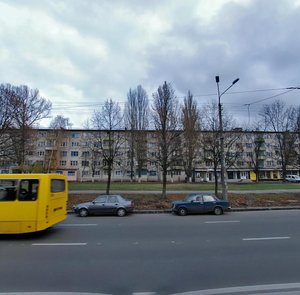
(200, 203)
(292, 178)
(105, 205)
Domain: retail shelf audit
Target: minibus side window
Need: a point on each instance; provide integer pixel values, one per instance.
(57, 185)
(28, 190)
(8, 190)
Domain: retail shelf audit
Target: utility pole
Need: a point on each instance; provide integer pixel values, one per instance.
(221, 134)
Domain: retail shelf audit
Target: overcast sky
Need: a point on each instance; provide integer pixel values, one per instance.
(79, 53)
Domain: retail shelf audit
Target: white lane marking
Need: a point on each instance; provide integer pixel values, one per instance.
(143, 293)
(224, 221)
(266, 238)
(51, 293)
(77, 224)
(59, 244)
(244, 289)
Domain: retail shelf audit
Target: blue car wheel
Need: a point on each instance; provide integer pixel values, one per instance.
(218, 211)
(182, 211)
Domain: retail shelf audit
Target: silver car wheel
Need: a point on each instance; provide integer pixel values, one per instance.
(121, 212)
(83, 212)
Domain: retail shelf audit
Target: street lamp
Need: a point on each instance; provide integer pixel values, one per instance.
(223, 178)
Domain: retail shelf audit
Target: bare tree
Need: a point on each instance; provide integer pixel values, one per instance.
(190, 119)
(109, 138)
(211, 139)
(255, 153)
(27, 109)
(136, 122)
(58, 127)
(166, 122)
(6, 111)
(282, 120)
(298, 135)
(60, 122)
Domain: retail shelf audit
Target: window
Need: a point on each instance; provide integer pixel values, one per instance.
(112, 199)
(71, 173)
(85, 163)
(63, 153)
(41, 153)
(208, 163)
(75, 135)
(41, 144)
(101, 199)
(152, 173)
(85, 173)
(57, 185)
(8, 190)
(74, 153)
(208, 199)
(64, 144)
(62, 163)
(28, 190)
(75, 143)
(74, 163)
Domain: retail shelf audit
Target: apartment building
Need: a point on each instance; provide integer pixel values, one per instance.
(79, 154)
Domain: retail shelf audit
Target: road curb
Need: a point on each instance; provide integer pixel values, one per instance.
(168, 211)
(232, 210)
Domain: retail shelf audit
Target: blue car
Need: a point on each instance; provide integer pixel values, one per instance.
(200, 203)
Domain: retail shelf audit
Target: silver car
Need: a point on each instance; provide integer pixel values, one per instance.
(105, 205)
(292, 178)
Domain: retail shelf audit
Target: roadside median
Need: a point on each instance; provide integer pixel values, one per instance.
(151, 202)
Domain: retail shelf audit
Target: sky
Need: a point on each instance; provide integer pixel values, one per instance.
(79, 53)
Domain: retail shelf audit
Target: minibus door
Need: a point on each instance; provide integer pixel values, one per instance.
(28, 204)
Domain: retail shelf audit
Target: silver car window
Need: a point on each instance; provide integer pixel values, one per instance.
(112, 199)
(101, 199)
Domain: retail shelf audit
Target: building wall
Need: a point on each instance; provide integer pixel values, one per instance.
(72, 152)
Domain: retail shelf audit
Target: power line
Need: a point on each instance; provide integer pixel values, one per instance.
(266, 98)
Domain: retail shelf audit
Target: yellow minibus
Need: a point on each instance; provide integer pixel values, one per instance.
(32, 202)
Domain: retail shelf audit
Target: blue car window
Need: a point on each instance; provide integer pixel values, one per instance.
(199, 199)
(208, 199)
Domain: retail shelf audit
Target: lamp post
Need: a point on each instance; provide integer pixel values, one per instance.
(222, 154)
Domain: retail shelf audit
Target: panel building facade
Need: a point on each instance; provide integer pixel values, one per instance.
(80, 155)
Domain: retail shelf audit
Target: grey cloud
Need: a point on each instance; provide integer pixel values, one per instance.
(256, 41)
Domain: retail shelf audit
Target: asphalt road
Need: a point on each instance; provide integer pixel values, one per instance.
(239, 252)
